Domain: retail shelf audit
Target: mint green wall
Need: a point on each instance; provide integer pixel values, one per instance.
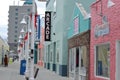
(68, 8)
(83, 23)
(59, 24)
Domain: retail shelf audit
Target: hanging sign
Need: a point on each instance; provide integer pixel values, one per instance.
(101, 30)
(47, 26)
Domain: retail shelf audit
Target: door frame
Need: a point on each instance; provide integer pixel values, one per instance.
(117, 59)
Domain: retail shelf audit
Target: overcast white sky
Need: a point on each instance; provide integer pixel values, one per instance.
(4, 8)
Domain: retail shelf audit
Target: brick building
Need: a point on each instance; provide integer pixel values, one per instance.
(105, 40)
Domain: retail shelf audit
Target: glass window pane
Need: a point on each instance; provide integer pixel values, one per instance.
(16, 9)
(57, 56)
(83, 60)
(102, 60)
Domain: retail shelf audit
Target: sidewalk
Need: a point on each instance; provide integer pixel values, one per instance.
(11, 72)
(45, 74)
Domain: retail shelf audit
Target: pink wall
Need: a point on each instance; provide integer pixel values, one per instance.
(113, 16)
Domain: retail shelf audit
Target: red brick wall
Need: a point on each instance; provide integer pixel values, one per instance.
(113, 16)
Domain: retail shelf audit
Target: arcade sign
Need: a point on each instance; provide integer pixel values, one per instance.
(47, 26)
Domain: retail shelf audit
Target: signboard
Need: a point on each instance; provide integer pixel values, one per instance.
(38, 27)
(47, 26)
(101, 30)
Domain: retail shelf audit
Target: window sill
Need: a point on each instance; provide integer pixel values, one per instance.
(106, 78)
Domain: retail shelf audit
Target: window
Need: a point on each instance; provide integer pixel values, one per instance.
(16, 9)
(16, 18)
(54, 5)
(28, 10)
(54, 8)
(15, 41)
(76, 25)
(16, 22)
(15, 31)
(102, 60)
(15, 26)
(15, 45)
(16, 14)
(51, 56)
(57, 56)
(15, 36)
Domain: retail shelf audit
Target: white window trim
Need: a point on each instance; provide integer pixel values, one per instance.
(54, 5)
(117, 52)
(95, 60)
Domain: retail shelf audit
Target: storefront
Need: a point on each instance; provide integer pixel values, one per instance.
(104, 42)
(78, 47)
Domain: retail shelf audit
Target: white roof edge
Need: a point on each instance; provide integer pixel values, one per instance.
(83, 11)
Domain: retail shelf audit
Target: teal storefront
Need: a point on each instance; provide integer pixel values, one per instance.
(78, 44)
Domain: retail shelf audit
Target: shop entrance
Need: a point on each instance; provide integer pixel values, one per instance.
(77, 63)
(83, 63)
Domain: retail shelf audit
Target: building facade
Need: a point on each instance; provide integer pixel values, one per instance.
(55, 57)
(105, 37)
(41, 44)
(41, 49)
(78, 44)
(16, 14)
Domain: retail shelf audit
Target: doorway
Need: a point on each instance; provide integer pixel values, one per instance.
(77, 63)
(82, 63)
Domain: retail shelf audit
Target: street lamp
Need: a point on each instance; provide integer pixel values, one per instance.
(32, 41)
(21, 37)
(27, 45)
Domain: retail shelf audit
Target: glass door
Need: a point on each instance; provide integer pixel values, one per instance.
(71, 64)
(82, 63)
(77, 63)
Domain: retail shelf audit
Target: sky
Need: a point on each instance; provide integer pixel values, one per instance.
(4, 8)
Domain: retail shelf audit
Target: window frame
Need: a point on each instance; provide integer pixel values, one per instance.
(54, 9)
(76, 22)
(95, 52)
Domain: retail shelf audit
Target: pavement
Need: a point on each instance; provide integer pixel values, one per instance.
(45, 74)
(12, 72)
